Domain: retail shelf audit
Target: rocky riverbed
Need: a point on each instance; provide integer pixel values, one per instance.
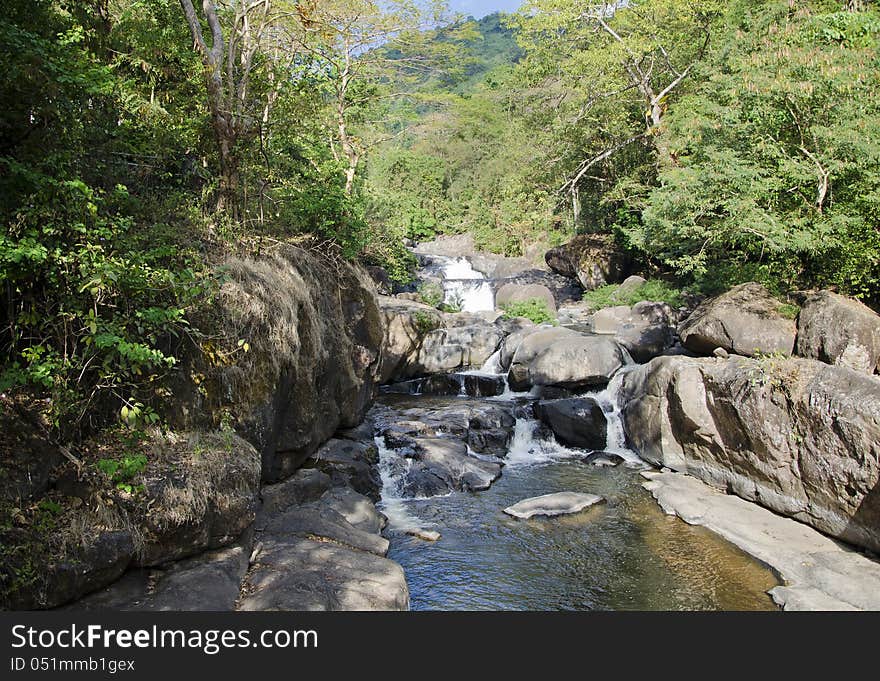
(758, 428)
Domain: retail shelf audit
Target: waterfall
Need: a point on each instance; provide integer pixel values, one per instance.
(393, 504)
(465, 287)
(609, 400)
(492, 366)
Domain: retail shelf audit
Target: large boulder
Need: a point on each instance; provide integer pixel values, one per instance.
(441, 465)
(564, 358)
(314, 335)
(563, 289)
(198, 492)
(797, 436)
(747, 320)
(839, 330)
(520, 293)
(295, 573)
(420, 341)
(645, 329)
(575, 422)
(350, 464)
(593, 259)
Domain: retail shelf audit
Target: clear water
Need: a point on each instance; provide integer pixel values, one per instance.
(623, 555)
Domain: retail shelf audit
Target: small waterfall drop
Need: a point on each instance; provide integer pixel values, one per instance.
(609, 400)
(392, 471)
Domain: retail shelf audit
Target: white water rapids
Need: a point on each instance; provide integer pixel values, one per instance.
(526, 448)
(464, 287)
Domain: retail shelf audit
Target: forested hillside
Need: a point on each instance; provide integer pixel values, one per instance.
(721, 142)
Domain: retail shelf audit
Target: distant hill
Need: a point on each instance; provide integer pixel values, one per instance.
(482, 45)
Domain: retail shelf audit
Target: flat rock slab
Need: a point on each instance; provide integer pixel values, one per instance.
(820, 573)
(558, 503)
(291, 573)
(319, 520)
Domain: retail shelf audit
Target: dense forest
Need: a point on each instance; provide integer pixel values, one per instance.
(143, 140)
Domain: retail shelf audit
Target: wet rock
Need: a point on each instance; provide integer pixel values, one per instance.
(477, 385)
(558, 503)
(424, 535)
(744, 321)
(604, 459)
(350, 464)
(797, 436)
(839, 330)
(575, 422)
(448, 461)
(293, 573)
(360, 433)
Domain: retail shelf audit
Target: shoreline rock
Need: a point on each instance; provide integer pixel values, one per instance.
(819, 573)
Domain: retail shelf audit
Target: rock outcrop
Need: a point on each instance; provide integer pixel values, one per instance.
(593, 259)
(645, 329)
(312, 364)
(744, 321)
(839, 330)
(420, 340)
(797, 436)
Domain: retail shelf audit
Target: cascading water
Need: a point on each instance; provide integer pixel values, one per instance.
(464, 287)
(392, 472)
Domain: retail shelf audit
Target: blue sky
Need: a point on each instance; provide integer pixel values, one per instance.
(480, 8)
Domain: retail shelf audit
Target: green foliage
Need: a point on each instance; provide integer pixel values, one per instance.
(654, 290)
(777, 154)
(121, 471)
(431, 293)
(426, 322)
(534, 308)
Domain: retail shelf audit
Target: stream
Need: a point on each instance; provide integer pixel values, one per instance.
(625, 554)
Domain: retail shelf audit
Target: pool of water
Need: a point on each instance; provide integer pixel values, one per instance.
(625, 554)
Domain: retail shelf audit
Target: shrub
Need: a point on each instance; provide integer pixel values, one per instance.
(655, 290)
(534, 308)
(431, 293)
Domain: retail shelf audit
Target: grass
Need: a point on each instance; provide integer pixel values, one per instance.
(533, 308)
(654, 290)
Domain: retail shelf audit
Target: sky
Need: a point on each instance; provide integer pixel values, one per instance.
(480, 8)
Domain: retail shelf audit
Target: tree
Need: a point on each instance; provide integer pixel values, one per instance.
(777, 154)
(243, 74)
(350, 41)
(611, 70)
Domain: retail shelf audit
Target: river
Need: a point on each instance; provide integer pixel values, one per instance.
(625, 554)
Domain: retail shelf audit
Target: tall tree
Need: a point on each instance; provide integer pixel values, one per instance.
(239, 79)
(350, 40)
